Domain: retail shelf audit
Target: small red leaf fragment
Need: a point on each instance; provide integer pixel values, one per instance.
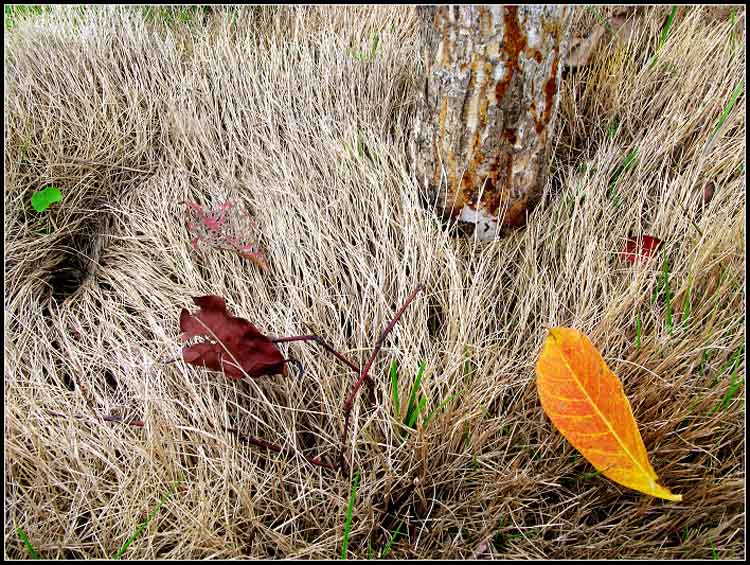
(224, 227)
(708, 191)
(641, 248)
(233, 344)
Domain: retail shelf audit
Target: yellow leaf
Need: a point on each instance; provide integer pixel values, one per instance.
(586, 403)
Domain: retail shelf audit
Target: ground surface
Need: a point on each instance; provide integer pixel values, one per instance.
(304, 117)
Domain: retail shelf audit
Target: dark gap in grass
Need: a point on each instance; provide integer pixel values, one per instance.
(346, 326)
(70, 270)
(165, 550)
(66, 380)
(82, 524)
(311, 419)
(249, 541)
(110, 380)
(394, 511)
(78, 255)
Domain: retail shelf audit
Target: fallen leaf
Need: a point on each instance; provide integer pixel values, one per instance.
(582, 48)
(641, 248)
(620, 25)
(234, 345)
(586, 403)
(225, 227)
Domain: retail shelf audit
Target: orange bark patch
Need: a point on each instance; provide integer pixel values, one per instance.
(514, 42)
(550, 89)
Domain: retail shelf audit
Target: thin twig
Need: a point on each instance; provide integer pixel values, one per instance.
(278, 449)
(249, 439)
(368, 382)
(320, 341)
(378, 346)
(135, 423)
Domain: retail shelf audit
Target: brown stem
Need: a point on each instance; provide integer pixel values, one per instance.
(320, 342)
(249, 439)
(378, 346)
(278, 449)
(134, 423)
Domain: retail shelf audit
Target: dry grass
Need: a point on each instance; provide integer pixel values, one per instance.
(129, 118)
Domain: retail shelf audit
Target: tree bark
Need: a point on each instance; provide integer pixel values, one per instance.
(482, 136)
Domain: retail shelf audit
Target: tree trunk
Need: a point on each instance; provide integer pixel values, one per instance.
(482, 137)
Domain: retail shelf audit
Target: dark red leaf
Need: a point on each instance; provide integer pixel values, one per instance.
(641, 248)
(233, 344)
(708, 191)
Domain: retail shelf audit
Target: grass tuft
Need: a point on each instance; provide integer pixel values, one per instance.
(131, 112)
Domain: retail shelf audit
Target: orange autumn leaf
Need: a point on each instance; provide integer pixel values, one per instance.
(586, 403)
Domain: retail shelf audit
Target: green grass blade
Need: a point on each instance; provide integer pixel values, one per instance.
(733, 24)
(637, 331)
(375, 42)
(602, 20)
(657, 289)
(663, 36)
(394, 391)
(738, 90)
(665, 31)
(667, 293)
(734, 363)
(391, 539)
(729, 365)
(349, 512)
(414, 389)
(733, 388)
(734, 360)
(687, 306)
(145, 524)
(591, 475)
(629, 160)
(613, 126)
(415, 414)
(27, 543)
(439, 407)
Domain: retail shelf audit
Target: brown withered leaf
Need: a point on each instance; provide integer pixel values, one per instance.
(583, 45)
(234, 345)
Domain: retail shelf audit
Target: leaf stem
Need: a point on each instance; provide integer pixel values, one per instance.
(320, 341)
(378, 346)
(278, 449)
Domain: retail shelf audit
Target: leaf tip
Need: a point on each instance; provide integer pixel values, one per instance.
(662, 492)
